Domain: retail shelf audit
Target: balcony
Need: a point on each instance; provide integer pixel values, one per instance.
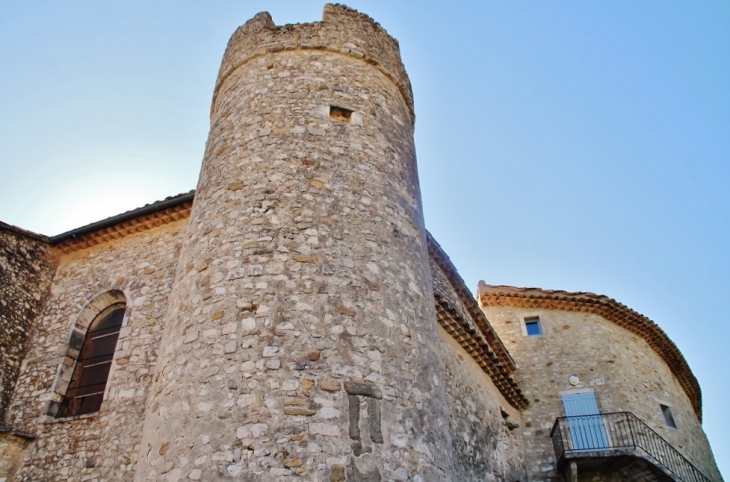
(618, 443)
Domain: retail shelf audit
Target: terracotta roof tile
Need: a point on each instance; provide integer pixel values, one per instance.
(609, 309)
(137, 220)
(459, 314)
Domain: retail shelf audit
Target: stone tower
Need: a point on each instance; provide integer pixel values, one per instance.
(301, 333)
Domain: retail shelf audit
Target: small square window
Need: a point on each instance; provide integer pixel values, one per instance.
(340, 113)
(532, 326)
(668, 417)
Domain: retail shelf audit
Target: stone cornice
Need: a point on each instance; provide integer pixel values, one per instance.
(465, 322)
(126, 224)
(610, 310)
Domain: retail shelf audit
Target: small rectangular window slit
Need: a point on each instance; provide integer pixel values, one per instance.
(340, 113)
(667, 415)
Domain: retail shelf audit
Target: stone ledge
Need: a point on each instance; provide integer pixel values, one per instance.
(17, 433)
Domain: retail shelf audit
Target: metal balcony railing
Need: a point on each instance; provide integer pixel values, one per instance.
(619, 433)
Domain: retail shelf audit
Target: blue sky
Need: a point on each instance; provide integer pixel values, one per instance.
(567, 145)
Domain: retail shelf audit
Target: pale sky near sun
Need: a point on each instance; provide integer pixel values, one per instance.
(582, 146)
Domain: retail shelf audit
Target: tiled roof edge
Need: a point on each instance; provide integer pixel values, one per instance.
(505, 365)
(141, 219)
(24, 232)
(609, 309)
(125, 216)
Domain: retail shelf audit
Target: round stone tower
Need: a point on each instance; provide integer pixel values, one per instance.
(301, 334)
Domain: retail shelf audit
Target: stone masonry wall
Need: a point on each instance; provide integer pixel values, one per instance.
(485, 443)
(26, 268)
(302, 337)
(104, 445)
(12, 449)
(625, 373)
(342, 31)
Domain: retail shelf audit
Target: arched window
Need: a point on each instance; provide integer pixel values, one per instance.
(86, 388)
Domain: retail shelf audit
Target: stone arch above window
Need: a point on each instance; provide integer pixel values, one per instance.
(82, 376)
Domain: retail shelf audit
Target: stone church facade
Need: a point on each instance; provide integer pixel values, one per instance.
(292, 317)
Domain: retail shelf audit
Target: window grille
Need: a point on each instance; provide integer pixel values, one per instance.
(88, 382)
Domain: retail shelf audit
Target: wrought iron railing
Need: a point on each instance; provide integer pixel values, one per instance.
(615, 432)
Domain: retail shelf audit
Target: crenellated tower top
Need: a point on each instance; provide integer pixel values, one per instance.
(343, 30)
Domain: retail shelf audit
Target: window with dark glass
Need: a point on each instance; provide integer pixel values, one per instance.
(86, 389)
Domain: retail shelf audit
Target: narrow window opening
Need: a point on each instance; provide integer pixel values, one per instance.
(668, 417)
(88, 382)
(340, 113)
(532, 326)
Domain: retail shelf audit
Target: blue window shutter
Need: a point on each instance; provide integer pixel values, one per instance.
(586, 425)
(580, 404)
